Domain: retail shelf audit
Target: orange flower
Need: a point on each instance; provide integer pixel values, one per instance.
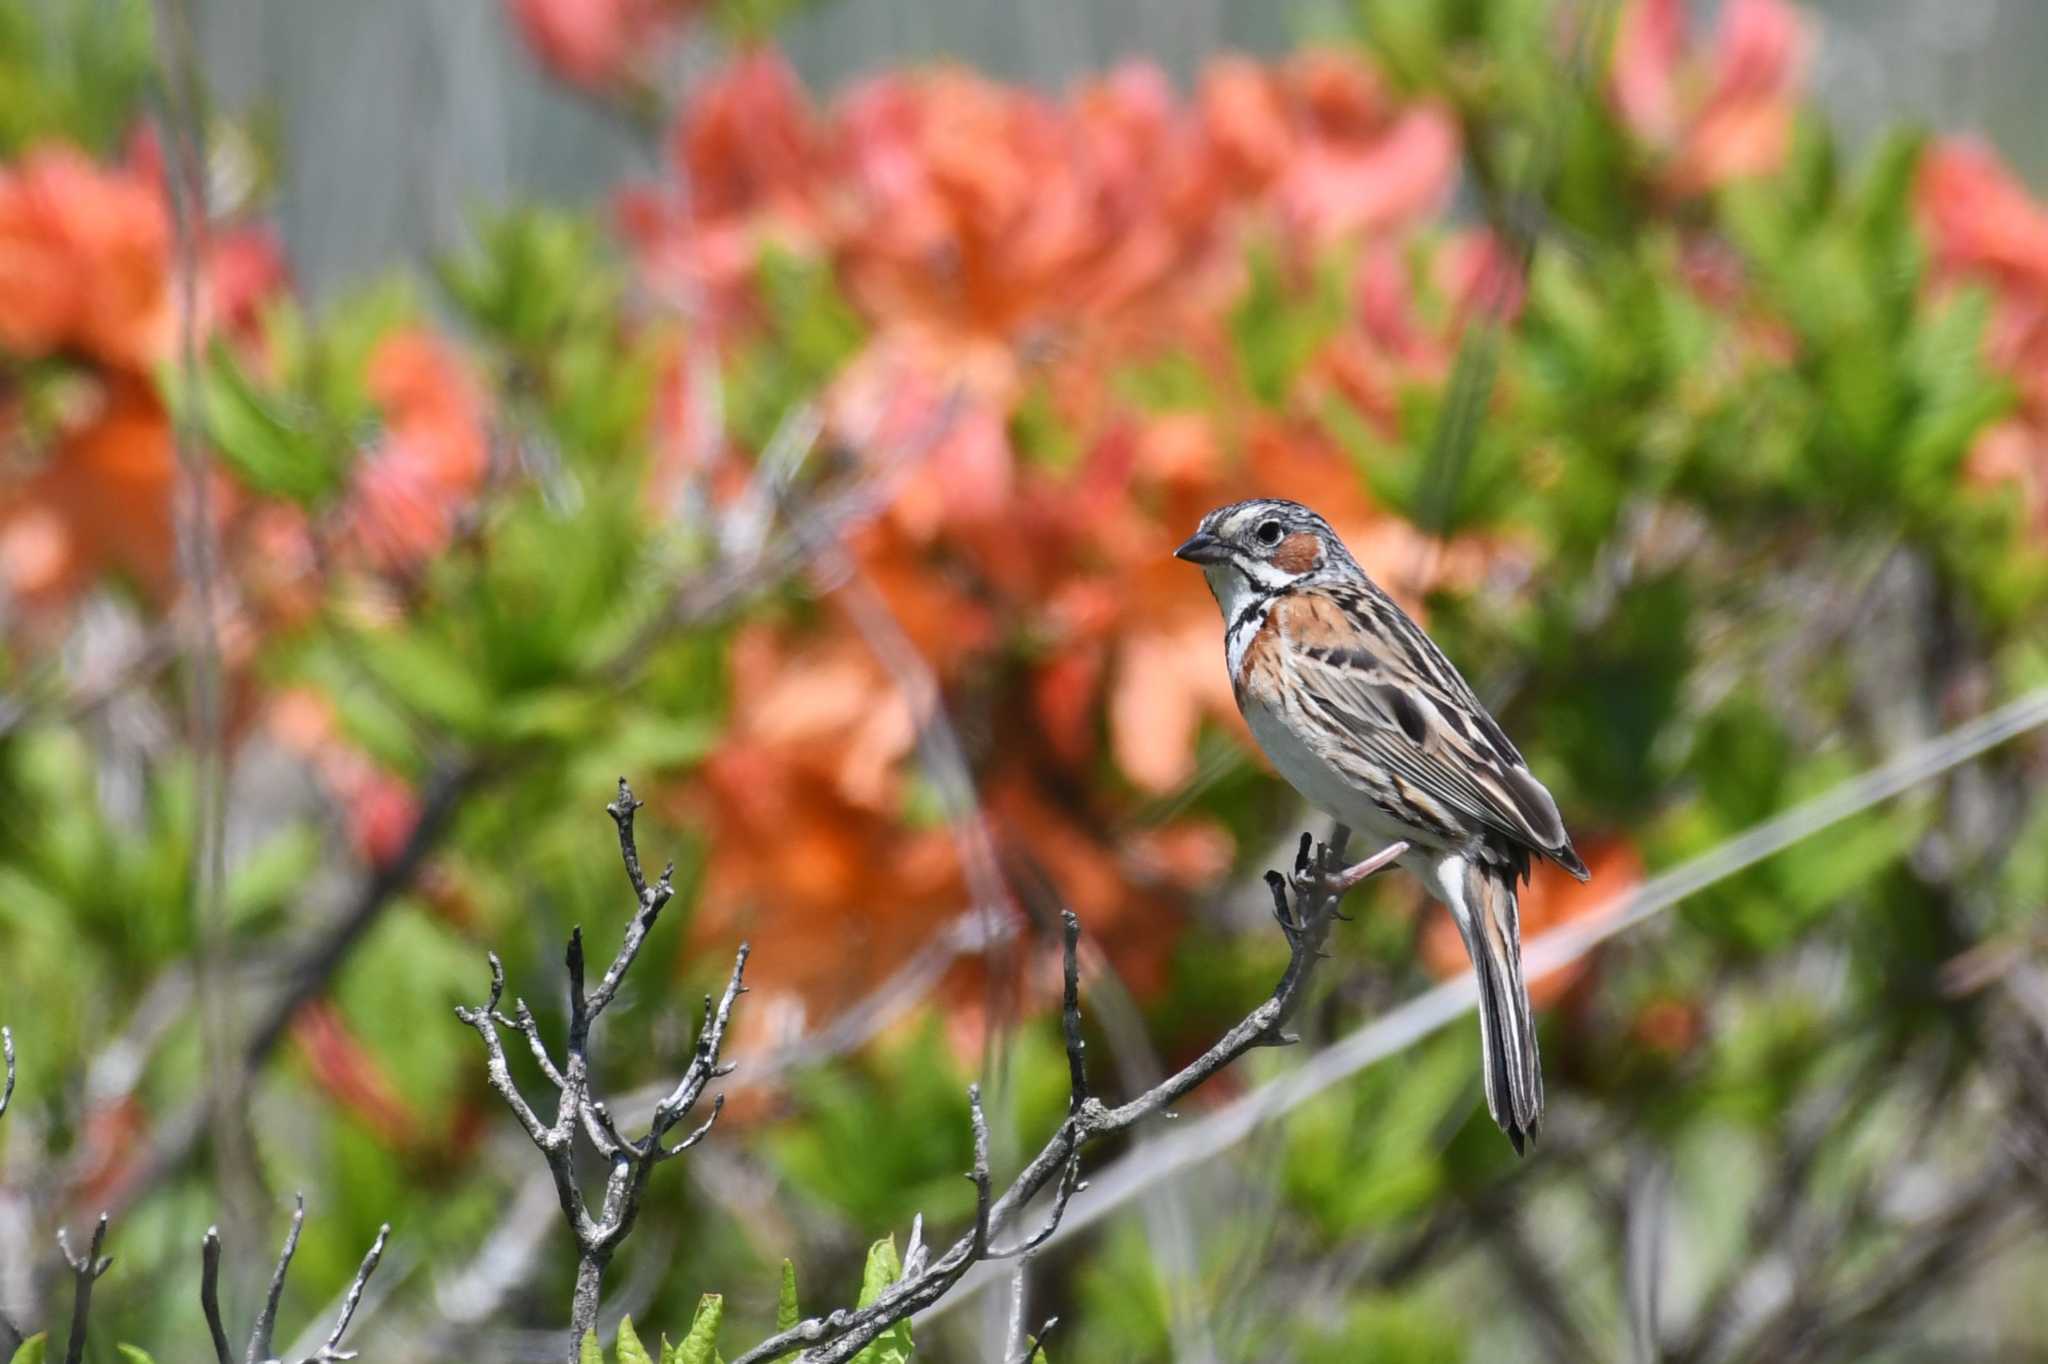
(409, 490)
(1726, 118)
(84, 261)
(597, 43)
(750, 156)
(101, 501)
(1980, 217)
(1984, 226)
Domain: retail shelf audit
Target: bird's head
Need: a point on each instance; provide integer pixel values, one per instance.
(1249, 550)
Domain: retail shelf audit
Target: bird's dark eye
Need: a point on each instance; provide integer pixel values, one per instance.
(1268, 532)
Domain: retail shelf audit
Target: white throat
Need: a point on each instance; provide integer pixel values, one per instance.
(1232, 590)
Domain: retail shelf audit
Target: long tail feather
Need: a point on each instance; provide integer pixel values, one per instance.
(1482, 899)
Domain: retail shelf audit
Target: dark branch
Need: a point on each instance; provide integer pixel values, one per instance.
(85, 1272)
(330, 1349)
(266, 1320)
(209, 1294)
(1305, 905)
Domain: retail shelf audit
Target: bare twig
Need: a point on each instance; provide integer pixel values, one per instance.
(261, 1334)
(85, 1272)
(209, 1293)
(330, 1349)
(7, 1086)
(266, 1320)
(577, 1109)
(1305, 906)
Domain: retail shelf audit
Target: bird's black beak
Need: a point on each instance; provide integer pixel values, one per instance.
(1203, 548)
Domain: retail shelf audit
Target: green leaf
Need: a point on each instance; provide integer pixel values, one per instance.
(427, 675)
(33, 1350)
(592, 1352)
(630, 1350)
(701, 1345)
(883, 1269)
(270, 451)
(786, 1312)
(1279, 325)
(134, 1354)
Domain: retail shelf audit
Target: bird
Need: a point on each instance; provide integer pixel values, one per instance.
(1363, 715)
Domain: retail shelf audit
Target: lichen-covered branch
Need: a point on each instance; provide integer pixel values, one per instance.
(599, 1233)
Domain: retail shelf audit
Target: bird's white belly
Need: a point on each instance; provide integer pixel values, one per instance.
(1321, 783)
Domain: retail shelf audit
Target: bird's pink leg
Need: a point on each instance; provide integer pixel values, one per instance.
(1352, 875)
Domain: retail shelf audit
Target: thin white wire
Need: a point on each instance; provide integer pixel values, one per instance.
(1191, 1143)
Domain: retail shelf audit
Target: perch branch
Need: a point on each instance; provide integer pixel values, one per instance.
(1305, 904)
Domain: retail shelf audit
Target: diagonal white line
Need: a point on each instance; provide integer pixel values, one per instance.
(1190, 1143)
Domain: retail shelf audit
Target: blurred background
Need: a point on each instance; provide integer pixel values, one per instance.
(415, 414)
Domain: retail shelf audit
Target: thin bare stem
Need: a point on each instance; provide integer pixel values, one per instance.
(330, 1349)
(266, 1320)
(259, 1351)
(209, 1294)
(7, 1053)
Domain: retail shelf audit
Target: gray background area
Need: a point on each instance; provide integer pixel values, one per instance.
(398, 119)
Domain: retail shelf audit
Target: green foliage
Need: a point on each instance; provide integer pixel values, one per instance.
(808, 333)
(628, 1346)
(34, 1350)
(1281, 322)
(883, 1268)
(700, 1346)
(787, 1313)
(73, 71)
(1394, 1329)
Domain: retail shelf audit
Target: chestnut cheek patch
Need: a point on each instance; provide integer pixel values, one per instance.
(1298, 553)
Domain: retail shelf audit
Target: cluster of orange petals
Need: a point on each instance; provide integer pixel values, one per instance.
(599, 44)
(86, 284)
(1004, 247)
(411, 487)
(1712, 117)
(1985, 228)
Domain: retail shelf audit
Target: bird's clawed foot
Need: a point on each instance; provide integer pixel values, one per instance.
(1320, 881)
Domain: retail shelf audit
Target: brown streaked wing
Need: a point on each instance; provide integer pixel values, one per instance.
(1396, 704)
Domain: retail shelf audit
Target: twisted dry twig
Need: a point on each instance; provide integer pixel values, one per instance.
(598, 1234)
